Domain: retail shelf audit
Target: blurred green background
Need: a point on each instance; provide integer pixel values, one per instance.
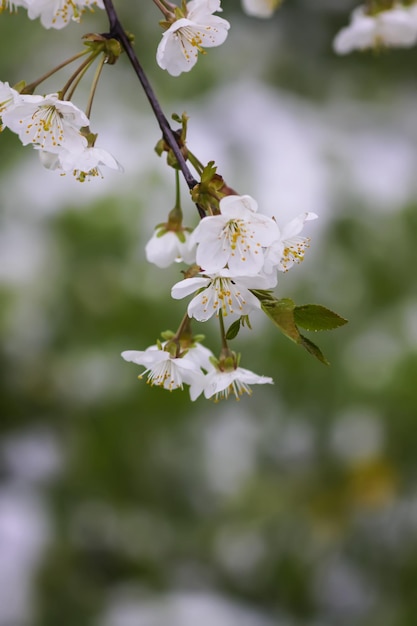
(125, 505)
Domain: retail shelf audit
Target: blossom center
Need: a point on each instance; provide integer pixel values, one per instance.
(193, 37)
(164, 374)
(46, 126)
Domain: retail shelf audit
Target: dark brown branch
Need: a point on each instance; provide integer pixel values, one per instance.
(117, 32)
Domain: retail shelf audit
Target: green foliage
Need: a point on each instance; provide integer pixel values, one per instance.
(287, 317)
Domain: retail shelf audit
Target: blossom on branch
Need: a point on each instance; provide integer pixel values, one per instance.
(289, 248)
(221, 384)
(47, 123)
(189, 34)
(84, 164)
(219, 292)
(169, 246)
(165, 370)
(58, 13)
(396, 27)
(235, 238)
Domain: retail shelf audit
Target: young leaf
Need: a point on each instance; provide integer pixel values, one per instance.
(316, 317)
(281, 312)
(313, 349)
(233, 330)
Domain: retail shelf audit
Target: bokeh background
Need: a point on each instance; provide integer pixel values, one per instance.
(125, 505)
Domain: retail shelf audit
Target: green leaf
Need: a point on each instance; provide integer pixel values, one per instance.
(316, 317)
(313, 349)
(281, 312)
(233, 330)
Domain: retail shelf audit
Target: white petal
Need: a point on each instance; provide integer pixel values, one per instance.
(187, 286)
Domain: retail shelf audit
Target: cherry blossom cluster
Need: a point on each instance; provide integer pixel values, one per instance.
(378, 27)
(56, 129)
(233, 253)
(53, 13)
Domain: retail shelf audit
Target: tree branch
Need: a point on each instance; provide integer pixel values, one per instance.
(117, 32)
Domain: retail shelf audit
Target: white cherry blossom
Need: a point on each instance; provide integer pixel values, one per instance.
(84, 163)
(221, 384)
(165, 247)
(162, 369)
(219, 292)
(290, 247)
(395, 27)
(260, 8)
(235, 238)
(189, 35)
(58, 13)
(47, 122)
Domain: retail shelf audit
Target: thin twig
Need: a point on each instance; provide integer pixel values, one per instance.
(117, 32)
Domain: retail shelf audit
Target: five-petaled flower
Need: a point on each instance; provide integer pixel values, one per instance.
(289, 248)
(220, 384)
(190, 34)
(84, 163)
(163, 369)
(219, 292)
(47, 122)
(58, 13)
(236, 238)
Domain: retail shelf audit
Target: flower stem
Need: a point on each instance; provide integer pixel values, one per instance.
(164, 10)
(177, 190)
(117, 32)
(94, 85)
(225, 347)
(199, 167)
(79, 73)
(32, 86)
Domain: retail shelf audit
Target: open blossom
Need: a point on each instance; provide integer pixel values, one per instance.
(189, 35)
(235, 238)
(394, 27)
(83, 163)
(168, 246)
(58, 13)
(221, 384)
(47, 122)
(219, 292)
(164, 370)
(290, 247)
(260, 8)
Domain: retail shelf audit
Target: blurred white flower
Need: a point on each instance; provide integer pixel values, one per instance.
(394, 27)
(260, 8)
(190, 34)
(168, 246)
